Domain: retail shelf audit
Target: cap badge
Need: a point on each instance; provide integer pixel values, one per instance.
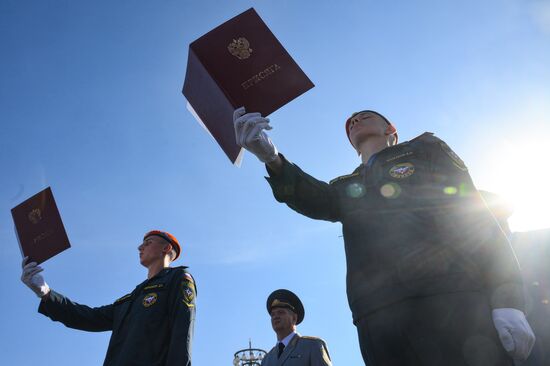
(402, 170)
(282, 304)
(149, 299)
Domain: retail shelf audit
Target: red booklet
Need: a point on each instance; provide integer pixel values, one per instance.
(239, 63)
(39, 228)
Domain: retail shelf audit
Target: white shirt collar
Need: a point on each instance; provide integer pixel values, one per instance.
(286, 340)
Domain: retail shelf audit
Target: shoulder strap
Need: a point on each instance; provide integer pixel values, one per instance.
(355, 173)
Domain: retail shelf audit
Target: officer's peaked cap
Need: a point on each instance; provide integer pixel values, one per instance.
(286, 299)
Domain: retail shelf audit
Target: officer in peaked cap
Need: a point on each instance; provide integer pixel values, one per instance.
(152, 325)
(292, 349)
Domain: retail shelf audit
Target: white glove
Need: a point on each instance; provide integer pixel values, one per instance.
(514, 332)
(250, 134)
(33, 279)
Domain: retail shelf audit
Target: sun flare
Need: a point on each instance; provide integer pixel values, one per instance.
(522, 179)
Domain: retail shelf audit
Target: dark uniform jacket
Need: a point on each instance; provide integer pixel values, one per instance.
(301, 351)
(152, 325)
(413, 224)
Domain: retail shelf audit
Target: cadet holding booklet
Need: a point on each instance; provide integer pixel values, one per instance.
(431, 277)
(152, 325)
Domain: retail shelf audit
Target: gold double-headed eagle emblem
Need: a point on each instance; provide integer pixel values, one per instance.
(35, 216)
(240, 48)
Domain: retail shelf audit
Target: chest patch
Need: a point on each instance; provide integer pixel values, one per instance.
(402, 170)
(149, 299)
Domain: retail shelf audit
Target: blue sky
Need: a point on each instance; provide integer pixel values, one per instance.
(90, 104)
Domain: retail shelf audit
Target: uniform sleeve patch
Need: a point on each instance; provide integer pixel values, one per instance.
(188, 277)
(457, 161)
(188, 292)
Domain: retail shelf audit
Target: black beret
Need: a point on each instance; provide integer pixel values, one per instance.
(286, 299)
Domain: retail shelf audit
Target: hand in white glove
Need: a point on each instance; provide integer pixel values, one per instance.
(250, 134)
(514, 332)
(33, 279)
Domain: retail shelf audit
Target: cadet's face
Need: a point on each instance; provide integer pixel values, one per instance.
(151, 250)
(366, 124)
(283, 319)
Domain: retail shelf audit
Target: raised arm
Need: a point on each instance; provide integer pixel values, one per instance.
(73, 315)
(300, 191)
(59, 308)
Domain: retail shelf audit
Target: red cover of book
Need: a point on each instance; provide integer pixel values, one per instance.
(239, 63)
(39, 228)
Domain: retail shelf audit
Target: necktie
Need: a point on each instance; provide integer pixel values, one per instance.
(281, 348)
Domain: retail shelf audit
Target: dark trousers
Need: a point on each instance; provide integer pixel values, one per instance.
(441, 330)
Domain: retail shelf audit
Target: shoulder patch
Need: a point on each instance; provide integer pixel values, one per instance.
(457, 161)
(188, 293)
(188, 277)
(188, 290)
(182, 273)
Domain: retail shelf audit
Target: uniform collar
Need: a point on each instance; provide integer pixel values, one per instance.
(286, 340)
(384, 151)
(163, 272)
(364, 167)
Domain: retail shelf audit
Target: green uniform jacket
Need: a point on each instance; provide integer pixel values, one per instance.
(301, 351)
(413, 225)
(152, 325)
